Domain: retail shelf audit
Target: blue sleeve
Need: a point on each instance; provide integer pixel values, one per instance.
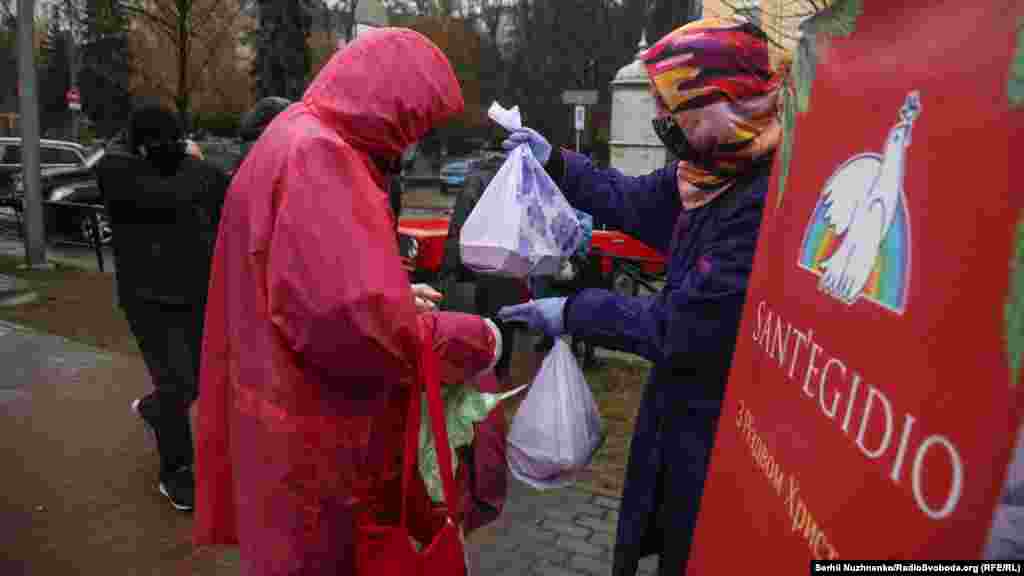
(644, 207)
(698, 315)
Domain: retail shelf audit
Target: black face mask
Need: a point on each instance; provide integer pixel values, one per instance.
(673, 137)
(388, 166)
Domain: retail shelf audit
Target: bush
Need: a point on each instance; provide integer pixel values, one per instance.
(222, 124)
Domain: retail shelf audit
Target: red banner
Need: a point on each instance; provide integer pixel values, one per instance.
(870, 411)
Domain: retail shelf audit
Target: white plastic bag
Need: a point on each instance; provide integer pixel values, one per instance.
(557, 429)
(522, 225)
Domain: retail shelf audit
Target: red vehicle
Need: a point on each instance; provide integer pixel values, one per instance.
(625, 263)
(422, 244)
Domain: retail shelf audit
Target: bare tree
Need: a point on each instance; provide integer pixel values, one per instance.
(198, 31)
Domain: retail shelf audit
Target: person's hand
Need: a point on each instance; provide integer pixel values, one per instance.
(426, 297)
(538, 144)
(544, 315)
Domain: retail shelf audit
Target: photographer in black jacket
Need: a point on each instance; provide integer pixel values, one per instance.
(164, 207)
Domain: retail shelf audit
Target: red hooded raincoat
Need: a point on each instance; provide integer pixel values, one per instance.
(311, 330)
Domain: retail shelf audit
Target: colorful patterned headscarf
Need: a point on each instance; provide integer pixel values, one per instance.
(724, 67)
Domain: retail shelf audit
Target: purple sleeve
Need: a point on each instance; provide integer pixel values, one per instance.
(644, 207)
(697, 315)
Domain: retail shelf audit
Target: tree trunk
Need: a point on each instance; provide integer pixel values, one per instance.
(184, 98)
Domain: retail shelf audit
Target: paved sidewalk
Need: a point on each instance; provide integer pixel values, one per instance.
(564, 532)
(80, 497)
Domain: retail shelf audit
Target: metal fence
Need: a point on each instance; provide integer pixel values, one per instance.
(16, 227)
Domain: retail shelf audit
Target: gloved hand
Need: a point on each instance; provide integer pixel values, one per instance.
(538, 144)
(544, 315)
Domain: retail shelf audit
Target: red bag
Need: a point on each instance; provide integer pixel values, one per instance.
(388, 550)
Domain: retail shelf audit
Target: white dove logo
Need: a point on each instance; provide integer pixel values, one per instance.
(857, 241)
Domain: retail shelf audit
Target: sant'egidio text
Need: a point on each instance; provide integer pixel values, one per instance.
(846, 399)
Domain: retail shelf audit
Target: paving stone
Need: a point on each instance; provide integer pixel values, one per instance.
(532, 533)
(513, 570)
(549, 553)
(580, 546)
(547, 569)
(504, 543)
(606, 502)
(565, 497)
(649, 565)
(561, 513)
(596, 524)
(498, 560)
(588, 509)
(602, 539)
(566, 528)
(565, 532)
(591, 565)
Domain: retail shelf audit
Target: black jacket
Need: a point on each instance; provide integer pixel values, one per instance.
(165, 229)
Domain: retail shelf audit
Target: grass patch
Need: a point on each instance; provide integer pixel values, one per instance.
(74, 303)
(618, 388)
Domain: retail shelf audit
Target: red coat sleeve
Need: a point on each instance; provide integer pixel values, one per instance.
(336, 289)
(466, 345)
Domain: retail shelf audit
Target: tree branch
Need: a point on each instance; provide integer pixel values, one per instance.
(168, 27)
(202, 19)
(154, 81)
(213, 49)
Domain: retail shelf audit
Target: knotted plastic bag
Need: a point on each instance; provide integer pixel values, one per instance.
(522, 225)
(557, 429)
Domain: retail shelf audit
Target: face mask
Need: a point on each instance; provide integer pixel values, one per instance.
(388, 166)
(673, 137)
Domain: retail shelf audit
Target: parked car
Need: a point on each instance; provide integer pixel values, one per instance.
(223, 153)
(53, 154)
(77, 185)
(455, 171)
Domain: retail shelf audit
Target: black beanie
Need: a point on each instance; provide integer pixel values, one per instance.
(158, 130)
(260, 116)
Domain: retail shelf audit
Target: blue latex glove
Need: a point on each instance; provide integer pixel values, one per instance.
(538, 144)
(544, 315)
(587, 222)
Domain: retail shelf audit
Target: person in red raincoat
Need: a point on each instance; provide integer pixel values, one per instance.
(312, 333)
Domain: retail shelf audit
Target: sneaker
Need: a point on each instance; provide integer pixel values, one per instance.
(142, 407)
(179, 488)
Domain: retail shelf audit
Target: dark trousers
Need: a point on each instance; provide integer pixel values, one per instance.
(170, 338)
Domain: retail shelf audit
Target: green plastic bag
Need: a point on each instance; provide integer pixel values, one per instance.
(464, 406)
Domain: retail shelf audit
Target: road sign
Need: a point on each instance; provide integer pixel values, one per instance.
(581, 115)
(580, 97)
(74, 99)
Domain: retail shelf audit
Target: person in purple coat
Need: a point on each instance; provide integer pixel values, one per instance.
(717, 96)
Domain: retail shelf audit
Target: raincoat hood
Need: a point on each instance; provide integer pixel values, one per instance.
(385, 91)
